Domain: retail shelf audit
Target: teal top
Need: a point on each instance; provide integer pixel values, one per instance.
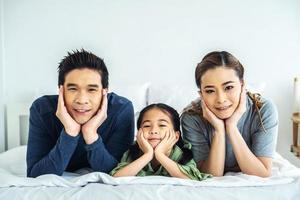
(189, 169)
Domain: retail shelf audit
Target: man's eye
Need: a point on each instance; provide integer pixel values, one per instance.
(71, 89)
(92, 90)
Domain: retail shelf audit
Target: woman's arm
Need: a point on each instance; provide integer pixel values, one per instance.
(247, 161)
(214, 164)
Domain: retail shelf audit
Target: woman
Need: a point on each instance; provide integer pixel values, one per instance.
(229, 129)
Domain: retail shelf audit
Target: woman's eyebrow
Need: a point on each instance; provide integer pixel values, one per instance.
(228, 82)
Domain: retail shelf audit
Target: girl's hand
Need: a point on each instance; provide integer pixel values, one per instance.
(217, 123)
(166, 145)
(240, 110)
(144, 145)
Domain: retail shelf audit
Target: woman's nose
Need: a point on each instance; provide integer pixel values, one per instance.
(221, 97)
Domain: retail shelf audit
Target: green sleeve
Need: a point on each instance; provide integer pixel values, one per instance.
(125, 160)
(190, 169)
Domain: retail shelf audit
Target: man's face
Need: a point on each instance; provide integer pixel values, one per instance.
(82, 94)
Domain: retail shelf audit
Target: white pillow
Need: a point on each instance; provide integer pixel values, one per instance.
(177, 96)
(137, 94)
(14, 161)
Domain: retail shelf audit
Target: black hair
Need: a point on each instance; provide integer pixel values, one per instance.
(80, 60)
(175, 119)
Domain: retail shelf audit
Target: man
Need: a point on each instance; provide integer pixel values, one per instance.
(83, 126)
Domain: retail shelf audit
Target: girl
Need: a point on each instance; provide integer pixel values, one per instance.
(159, 149)
(229, 129)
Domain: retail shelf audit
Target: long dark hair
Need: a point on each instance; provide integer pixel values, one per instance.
(175, 119)
(214, 60)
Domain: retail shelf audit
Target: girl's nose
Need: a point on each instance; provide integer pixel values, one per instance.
(153, 132)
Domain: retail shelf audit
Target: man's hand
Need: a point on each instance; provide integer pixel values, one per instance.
(89, 129)
(72, 128)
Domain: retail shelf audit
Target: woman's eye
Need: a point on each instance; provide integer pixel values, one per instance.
(162, 125)
(229, 87)
(146, 126)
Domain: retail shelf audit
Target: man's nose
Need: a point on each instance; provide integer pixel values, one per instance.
(81, 98)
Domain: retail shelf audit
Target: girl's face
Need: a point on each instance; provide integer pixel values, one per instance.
(220, 90)
(155, 125)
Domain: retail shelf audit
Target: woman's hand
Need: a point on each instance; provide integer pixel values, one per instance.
(166, 145)
(217, 123)
(144, 145)
(232, 121)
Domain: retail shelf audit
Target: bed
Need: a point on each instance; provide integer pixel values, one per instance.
(283, 184)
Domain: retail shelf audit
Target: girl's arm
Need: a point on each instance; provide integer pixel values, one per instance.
(135, 167)
(162, 153)
(170, 165)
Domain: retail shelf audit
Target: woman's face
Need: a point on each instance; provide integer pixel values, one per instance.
(220, 90)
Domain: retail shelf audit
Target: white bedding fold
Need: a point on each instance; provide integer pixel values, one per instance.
(282, 173)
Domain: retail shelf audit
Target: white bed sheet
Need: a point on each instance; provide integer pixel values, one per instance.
(283, 184)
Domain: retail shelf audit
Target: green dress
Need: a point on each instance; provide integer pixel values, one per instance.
(189, 169)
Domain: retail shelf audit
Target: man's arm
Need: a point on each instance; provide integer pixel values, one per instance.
(104, 157)
(45, 155)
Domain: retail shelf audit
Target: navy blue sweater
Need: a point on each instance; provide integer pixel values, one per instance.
(52, 151)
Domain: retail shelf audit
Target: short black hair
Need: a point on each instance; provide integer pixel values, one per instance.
(80, 60)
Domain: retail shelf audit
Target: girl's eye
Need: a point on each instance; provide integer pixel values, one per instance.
(209, 91)
(229, 87)
(162, 125)
(146, 126)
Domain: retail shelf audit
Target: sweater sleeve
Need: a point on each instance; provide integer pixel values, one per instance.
(104, 157)
(43, 155)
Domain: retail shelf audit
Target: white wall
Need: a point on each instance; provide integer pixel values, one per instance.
(157, 41)
(2, 128)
